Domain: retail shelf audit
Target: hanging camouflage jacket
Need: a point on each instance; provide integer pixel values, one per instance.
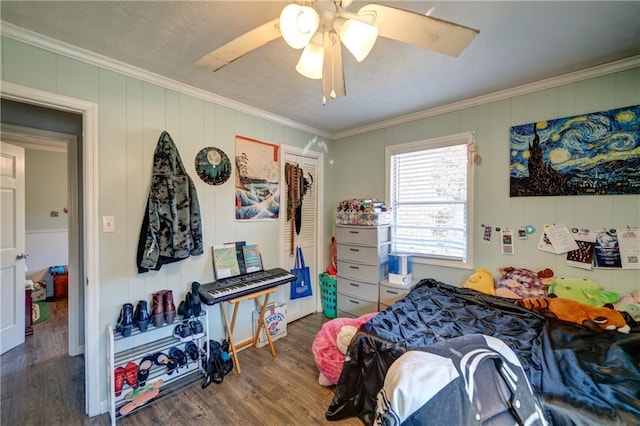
(171, 227)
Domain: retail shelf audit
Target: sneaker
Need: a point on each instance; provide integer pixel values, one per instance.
(183, 332)
(192, 350)
(179, 355)
(197, 331)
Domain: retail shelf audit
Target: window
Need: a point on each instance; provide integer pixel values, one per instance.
(430, 186)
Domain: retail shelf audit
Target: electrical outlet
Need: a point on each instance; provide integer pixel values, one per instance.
(108, 224)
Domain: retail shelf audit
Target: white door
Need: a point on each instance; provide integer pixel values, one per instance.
(12, 263)
(306, 239)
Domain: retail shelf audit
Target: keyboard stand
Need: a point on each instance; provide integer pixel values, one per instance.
(233, 347)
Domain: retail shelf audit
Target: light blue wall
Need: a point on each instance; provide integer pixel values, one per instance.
(131, 116)
(361, 164)
(133, 113)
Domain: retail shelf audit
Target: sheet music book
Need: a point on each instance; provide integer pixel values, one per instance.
(225, 261)
(252, 258)
(240, 255)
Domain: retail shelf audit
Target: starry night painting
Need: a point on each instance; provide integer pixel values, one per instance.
(591, 154)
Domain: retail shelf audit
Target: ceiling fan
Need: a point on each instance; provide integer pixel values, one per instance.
(321, 27)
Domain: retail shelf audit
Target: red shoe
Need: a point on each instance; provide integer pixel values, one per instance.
(131, 370)
(118, 382)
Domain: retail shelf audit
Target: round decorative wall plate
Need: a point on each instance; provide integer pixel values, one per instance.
(213, 166)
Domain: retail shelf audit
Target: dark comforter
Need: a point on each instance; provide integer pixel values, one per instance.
(581, 377)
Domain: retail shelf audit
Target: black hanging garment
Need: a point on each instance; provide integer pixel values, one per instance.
(171, 226)
(297, 186)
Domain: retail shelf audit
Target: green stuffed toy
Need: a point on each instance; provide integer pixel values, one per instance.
(582, 290)
(630, 303)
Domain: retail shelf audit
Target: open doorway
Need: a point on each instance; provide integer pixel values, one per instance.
(87, 324)
(53, 211)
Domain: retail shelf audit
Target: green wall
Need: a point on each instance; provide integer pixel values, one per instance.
(131, 116)
(132, 113)
(45, 190)
(362, 159)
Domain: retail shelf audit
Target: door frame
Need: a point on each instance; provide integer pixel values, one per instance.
(92, 332)
(319, 182)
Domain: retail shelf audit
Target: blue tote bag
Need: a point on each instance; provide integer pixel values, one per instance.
(301, 287)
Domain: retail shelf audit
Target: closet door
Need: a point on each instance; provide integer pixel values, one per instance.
(306, 239)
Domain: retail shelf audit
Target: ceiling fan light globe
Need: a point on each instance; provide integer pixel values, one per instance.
(298, 24)
(311, 61)
(359, 37)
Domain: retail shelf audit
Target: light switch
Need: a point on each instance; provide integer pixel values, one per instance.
(108, 224)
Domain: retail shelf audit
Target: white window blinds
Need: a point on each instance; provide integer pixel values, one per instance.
(429, 195)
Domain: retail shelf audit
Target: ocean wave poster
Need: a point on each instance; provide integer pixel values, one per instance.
(591, 154)
(257, 180)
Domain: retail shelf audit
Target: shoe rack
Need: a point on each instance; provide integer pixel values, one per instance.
(161, 381)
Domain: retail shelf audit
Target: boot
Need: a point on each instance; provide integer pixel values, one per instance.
(196, 307)
(185, 307)
(169, 307)
(125, 320)
(141, 315)
(157, 309)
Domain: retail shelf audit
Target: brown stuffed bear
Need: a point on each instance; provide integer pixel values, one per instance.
(592, 317)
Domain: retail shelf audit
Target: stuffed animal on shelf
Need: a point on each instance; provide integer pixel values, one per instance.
(482, 281)
(591, 317)
(520, 283)
(630, 303)
(582, 290)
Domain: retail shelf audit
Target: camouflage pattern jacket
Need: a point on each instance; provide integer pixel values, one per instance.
(171, 227)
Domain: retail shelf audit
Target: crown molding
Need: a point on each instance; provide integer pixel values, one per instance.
(38, 40)
(61, 48)
(597, 71)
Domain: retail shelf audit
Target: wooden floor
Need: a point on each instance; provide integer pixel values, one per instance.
(42, 385)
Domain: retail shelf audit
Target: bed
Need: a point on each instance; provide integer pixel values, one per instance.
(580, 377)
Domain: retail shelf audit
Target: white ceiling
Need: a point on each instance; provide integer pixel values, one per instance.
(519, 42)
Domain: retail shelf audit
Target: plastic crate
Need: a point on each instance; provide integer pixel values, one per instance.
(328, 285)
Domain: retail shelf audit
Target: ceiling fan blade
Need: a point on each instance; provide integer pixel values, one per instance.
(420, 30)
(333, 85)
(240, 46)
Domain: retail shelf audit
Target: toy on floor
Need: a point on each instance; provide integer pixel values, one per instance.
(582, 290)
(591, 317)
(630, 303)
(331, 344)
(344, 338)
(521, 283)
(482, 281)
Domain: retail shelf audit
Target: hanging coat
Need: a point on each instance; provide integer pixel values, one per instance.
(171, 226)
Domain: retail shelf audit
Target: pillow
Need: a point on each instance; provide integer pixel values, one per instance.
(582, 290)
(520, 283)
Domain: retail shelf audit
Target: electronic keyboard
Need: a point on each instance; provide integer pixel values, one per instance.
(229, 288)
